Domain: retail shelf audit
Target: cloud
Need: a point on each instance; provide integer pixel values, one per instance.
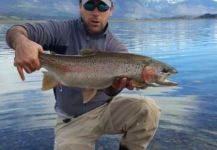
(68, 6)
(137, 11)
(175, 1)
(24, 5)
(49, 7)
(164, 1)
(153, 1)
(188, 10)
(31, 4)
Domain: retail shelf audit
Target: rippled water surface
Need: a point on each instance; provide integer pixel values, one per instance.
(189, 111)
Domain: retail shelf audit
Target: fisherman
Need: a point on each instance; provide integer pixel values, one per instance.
(79, 125)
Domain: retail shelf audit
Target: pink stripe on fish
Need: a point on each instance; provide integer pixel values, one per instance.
(79, 68)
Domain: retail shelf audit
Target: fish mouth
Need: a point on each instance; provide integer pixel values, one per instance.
(166, 82)
(163, 80)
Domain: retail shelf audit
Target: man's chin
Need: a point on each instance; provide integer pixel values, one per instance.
(95, 30)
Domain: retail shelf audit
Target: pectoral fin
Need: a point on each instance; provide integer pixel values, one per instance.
(48, 82)
(88, 94)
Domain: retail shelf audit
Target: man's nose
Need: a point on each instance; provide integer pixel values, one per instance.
(96, 12)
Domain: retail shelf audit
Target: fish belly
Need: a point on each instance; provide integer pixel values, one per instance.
(85, 80)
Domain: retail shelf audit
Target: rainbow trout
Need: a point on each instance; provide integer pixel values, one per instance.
(93, 70)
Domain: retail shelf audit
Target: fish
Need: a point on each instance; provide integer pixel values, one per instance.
(94, 70)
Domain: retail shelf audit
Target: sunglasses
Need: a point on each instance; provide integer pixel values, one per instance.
(101, 6)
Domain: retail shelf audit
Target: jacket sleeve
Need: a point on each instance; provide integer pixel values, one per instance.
(52, 35)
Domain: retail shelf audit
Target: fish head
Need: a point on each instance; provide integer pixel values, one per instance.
(158, 73)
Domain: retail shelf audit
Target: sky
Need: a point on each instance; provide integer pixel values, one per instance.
(123, 8)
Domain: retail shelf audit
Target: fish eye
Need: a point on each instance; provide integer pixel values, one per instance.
(165, 70)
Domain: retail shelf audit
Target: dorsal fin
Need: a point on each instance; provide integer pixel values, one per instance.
(88, 52)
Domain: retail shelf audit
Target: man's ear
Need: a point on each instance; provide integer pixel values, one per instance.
(110, 14)
(112, 8)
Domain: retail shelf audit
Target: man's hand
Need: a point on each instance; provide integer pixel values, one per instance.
(121, 83)
(118, 85)
(26, 51)
(26, 57)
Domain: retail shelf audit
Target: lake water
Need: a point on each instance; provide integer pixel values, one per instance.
(189, 111)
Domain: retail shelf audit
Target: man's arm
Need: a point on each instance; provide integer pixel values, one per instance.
(26, 51)
(15, 34)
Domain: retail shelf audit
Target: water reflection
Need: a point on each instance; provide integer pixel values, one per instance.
(171, 37)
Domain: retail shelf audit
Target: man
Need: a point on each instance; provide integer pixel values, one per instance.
(80, 125)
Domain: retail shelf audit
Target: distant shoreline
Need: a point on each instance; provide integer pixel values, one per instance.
(15, 21)
(12, 19)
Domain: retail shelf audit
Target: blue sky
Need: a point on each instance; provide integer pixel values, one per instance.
(123, 8)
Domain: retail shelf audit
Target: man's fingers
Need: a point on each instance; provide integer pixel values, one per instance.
(115, 84)
(21, 73)
(40, 49)
(129, 85)
(28, 69)
(120, 83)
(123, 82)
(36, 64)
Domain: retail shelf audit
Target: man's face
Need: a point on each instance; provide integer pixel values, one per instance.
(95, 20)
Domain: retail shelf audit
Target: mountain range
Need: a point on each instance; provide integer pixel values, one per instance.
(124, 9)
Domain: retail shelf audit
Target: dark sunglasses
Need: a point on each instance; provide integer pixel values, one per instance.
(101, 6)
